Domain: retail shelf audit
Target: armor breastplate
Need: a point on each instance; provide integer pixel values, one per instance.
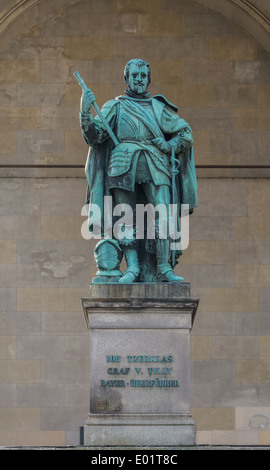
(132, 128)
(136, 128)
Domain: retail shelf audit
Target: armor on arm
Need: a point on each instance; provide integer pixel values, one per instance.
(93, 129)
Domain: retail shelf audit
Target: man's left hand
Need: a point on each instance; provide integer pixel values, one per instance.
(162, 145)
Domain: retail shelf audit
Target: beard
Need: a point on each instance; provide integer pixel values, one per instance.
(133, 94)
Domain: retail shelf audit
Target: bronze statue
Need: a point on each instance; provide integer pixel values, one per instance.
(141, 152)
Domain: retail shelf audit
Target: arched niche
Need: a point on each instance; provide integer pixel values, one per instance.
(18, 15)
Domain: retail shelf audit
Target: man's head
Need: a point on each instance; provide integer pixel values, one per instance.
(137, 75)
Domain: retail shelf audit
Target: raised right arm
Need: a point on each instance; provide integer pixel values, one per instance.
(93, 129)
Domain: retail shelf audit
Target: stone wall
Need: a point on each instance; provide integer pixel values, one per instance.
(218, 74)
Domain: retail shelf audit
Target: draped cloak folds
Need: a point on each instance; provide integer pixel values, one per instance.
(96, 168)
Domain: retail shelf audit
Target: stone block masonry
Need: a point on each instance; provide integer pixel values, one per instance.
(218, 75)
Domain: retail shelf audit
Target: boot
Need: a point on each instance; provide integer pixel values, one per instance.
(133, 268)
(164, 267)
(168, 273)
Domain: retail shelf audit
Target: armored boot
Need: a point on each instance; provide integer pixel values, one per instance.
(133, 268)
(163, 266)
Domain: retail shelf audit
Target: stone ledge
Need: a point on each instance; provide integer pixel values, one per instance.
(168, 448)
(162, 290)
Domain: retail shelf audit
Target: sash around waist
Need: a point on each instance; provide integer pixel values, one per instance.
(134, 140)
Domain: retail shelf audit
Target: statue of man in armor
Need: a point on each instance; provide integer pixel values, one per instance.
(139, 168)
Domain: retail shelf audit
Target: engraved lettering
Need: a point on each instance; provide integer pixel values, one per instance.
(113, 358)
(140, 358)
(158, 374)
(157, 370)
(112, 383)
(116, 371)
(154, 383)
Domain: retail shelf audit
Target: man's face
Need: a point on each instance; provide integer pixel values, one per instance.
(138, 79)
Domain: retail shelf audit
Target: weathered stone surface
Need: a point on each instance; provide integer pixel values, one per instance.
(141, 291)
(139, 364)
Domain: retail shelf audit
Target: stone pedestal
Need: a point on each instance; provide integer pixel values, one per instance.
(139, 364)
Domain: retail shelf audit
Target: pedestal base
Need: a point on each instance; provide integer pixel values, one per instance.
(139, 430)
(139, 365)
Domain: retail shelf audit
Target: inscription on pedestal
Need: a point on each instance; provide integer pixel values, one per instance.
(155, 371)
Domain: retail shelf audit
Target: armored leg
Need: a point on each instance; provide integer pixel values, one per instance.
(133, 269)
(161, 195)
(164, 267)
(128, 244)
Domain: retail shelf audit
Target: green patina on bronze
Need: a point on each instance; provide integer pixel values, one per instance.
(140, 152)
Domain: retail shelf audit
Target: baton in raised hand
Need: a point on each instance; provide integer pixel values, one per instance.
(174, 172)
(99, 113)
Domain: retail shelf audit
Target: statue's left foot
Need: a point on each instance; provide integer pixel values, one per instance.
(168, 273)
(128, 277)
(170, 276)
